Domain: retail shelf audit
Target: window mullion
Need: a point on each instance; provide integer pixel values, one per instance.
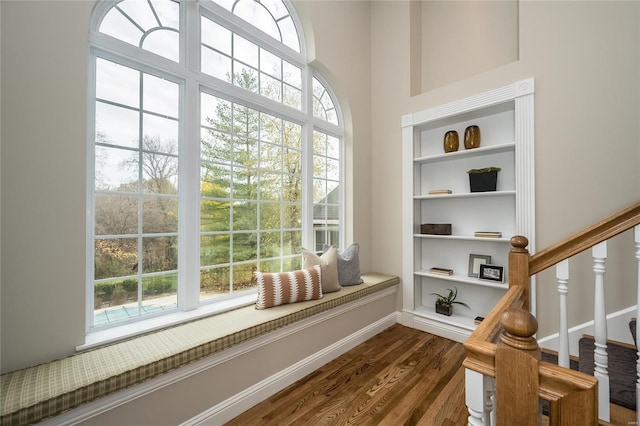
(189, 245)
(307, 164)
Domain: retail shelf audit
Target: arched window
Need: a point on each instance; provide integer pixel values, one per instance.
(215, 151)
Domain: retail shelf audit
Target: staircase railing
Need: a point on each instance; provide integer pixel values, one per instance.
(503, 363)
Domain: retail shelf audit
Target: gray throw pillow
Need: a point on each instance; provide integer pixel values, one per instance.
(349, 265)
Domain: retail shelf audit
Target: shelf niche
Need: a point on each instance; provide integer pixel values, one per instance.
(505, 118)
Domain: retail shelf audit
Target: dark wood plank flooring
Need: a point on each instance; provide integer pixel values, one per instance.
(401, 376)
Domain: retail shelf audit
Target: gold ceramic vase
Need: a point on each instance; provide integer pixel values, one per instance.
(472, 137)
(451, 141)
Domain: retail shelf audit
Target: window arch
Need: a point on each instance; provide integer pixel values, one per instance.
(214, 151)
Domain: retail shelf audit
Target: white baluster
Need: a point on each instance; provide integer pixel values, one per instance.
(599, 253)
(477, 391)
(562, 276)
(637, 240)
(489, 413)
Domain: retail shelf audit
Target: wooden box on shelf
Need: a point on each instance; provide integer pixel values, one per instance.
(436, 228)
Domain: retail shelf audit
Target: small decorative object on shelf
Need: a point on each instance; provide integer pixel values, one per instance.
(435, 228)
(478, 320)
(441, 271)
(483, 180)
(451, 141)
(444, 304)
(492, 273)
(439, 192)
(487, 234)
(475, 260)
(472, 137)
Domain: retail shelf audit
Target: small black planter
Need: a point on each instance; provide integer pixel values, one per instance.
(483, 182)
(444, 310)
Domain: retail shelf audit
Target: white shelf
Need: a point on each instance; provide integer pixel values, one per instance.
(460, 321)
(465, 195)
(464, 238)
(505, 117)
(466, 153)
(459, 278)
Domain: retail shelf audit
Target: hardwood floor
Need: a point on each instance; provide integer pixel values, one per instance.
(401, 376)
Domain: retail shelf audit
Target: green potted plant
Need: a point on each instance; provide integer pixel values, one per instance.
(483, 180)
(444, 304)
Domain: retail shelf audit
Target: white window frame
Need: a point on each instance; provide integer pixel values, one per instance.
(192, 82)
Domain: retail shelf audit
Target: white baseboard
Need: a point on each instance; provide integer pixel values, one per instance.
(239, 403)
(617, 329)
(448, 331)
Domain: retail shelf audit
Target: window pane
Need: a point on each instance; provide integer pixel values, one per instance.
(161, 96)
(216, 64)
(245, 51)
(115, 257)
(159, 293)
(160, 172)
(245, 77)
(270, 88)
(292, 75)
(245, 247)
(116, 169)
(270, 64)
(117, 83)
(215, 282)
(162, 131)
(165, 43)
(214, 249)
(243, 276)
(270, 186)
(109, 298)
(245, 216)
(245, 152)
(116, 214)
(292, 97)
(270, 216)
(159, 215)
(159, 254)
(116, 25)
(216, 36)
(139, 12)
(117, 126)
(254, 13)
(168, 12)
(214, 215)
(270, 245)
(215, 181)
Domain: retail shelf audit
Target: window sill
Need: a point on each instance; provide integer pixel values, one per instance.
(126, 331)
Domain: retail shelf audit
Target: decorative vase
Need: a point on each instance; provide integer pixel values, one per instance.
(451, 141)
(472, 137)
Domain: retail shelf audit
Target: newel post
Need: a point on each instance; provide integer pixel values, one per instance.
(516, 366)
(519, 266)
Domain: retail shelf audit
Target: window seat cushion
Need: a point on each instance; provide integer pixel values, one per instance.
(33, 394)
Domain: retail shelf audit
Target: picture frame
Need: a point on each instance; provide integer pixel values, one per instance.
(475, 260)
(491, 273)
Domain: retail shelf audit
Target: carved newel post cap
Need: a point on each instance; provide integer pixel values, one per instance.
(519, 327)
(519, 243)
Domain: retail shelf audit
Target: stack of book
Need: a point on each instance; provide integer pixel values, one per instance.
(488, 234)
(439, 191)
(441, 271)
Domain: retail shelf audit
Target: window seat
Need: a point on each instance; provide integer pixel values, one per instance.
(32, 394)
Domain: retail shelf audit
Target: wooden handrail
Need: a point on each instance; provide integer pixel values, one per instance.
(569, 392)
(601, 231)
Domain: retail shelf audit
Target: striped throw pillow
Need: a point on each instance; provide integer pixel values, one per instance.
(288, 287)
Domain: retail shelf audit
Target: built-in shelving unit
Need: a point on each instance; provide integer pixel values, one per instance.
(505, 118)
